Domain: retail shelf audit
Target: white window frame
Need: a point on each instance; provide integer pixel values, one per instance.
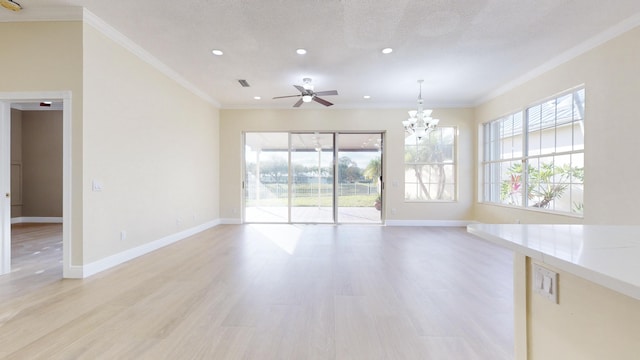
(453, 163)
(518, 126)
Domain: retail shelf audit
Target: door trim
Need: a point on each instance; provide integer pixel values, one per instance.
(5, 186)
(6, 98)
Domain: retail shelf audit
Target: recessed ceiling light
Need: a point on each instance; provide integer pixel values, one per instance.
(367, 97)
(257, 97)
(301, 51)
(387, 50)
(217, 52)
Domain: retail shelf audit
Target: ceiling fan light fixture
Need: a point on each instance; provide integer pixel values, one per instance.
(11, 5)
(307, 94)
(306, 84)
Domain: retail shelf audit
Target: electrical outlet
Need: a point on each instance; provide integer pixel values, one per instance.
(123, 235)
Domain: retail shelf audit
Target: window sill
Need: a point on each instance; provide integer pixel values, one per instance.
(538, 210)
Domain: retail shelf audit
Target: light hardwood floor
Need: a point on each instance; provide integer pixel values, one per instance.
(270, 292)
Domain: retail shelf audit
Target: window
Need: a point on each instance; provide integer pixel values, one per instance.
(535, 158)
(430, 166)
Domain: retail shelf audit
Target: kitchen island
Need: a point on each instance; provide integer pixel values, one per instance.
(595, 311)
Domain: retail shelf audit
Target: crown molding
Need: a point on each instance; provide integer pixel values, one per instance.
(113, 34)
(75, 13)
(607, 35)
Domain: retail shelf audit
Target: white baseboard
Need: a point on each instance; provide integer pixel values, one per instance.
(453, 223)
(36, 219)
(119, 258)
(231, 221)
(72, 272)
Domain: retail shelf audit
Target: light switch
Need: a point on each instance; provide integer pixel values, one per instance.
(545, 283)
(538, 282)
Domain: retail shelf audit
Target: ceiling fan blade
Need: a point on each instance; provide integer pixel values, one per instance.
(300, 88)
(298, 103)
(329, 92)
(321, 101)
(288, 96)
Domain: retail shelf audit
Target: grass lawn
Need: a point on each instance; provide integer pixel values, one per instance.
(343, 201)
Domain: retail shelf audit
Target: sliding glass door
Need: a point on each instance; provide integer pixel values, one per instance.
(312, 181)
(266, 177)
(358, 193)
(313, 177)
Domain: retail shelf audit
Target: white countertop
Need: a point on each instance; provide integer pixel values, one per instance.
(606, 255)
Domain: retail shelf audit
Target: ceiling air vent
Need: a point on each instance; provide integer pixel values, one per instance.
(244, 83)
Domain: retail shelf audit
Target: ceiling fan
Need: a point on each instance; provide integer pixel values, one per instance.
(307, 94)
(11, 5)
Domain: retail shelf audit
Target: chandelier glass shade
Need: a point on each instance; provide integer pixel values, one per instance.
(420, 122)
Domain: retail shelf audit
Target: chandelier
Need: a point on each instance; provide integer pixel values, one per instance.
(420, 122)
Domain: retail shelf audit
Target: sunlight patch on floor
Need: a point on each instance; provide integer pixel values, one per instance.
(284, 236)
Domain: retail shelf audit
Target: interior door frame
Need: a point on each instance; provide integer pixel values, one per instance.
(5, 186)
(6, 99)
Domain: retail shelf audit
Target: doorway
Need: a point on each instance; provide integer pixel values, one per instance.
(313, 177)
(7, 100)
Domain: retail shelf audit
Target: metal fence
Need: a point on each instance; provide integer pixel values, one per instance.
(278, 191)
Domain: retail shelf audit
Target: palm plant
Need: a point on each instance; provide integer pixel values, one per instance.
(373, 170)
(426, 158)
(546, 183)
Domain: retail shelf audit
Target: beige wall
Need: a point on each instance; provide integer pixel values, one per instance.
(151, 143)
(42, 163)
(235, 122)
(47, 56)
(590, 322)
(611, 74)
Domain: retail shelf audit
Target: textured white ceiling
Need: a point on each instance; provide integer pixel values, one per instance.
(465, 50)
